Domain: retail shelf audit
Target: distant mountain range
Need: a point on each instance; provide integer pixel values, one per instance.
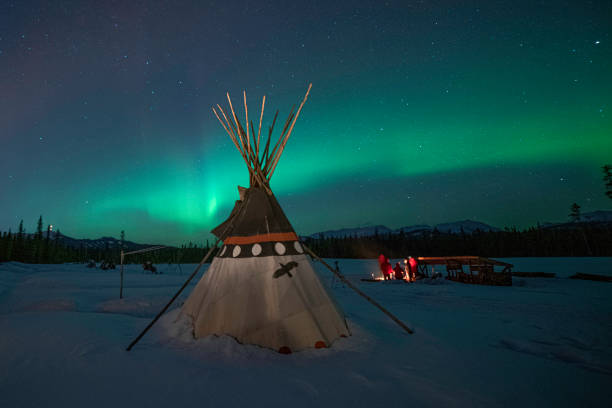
(601, 217)
(467, 226)
(100, 243)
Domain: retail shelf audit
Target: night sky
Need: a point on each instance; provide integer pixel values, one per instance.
(421, 112)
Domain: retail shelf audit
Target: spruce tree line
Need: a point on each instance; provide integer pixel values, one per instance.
(588, 240)
(580, 239)
(33, 248)
(46, 247)
(607, 178)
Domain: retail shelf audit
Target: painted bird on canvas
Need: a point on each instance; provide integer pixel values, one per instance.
(285, 269)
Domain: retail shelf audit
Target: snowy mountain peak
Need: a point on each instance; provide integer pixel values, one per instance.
(468, 227)
(414, 229)
(353, 232)
(594, 217)
(100, 243)
(597, 216)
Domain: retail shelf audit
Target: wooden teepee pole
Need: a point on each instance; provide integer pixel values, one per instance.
(246, 112)
(280, 152)
(265, 152)
(274, 152)
(238, 127)
(263, 104)
(248, 154)
(359, 292)
(228, 130)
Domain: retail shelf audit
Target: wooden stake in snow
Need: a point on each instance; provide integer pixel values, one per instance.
(359, 292)
(197, 269)
(124, 254)
(121, 286)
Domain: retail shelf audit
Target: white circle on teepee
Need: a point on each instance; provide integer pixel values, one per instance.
(236, 251)
(280, 248)
(256, 250)
(223, 250)
(298, 247)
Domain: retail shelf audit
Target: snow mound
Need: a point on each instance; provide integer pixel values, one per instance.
(130, 306)
(177, 329)
(566, 350)
(177, 326)
(56, 305)
(17, 267)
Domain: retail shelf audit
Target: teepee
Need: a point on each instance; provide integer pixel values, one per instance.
(261, 288)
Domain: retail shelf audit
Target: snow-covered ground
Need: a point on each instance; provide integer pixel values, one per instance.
(541, 342)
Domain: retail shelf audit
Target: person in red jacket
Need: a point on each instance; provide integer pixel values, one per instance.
(388, 270)
(413, 268)
(385, 266)
(399, 272)
(381, 260)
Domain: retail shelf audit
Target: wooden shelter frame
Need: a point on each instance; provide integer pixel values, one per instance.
(481, 270)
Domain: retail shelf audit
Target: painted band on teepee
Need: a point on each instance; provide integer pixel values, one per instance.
(274, 237)
(261, 249)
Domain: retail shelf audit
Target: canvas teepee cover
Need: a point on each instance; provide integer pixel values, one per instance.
(261, 288)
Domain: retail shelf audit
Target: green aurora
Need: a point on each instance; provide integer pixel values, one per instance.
(417, 115)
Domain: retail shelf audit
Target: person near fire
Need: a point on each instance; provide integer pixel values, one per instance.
(413, 267)
(399, 272)
(385, 266)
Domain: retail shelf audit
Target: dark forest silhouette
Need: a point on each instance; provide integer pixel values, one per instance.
(577, 239)
(48, 247)
(572, 239)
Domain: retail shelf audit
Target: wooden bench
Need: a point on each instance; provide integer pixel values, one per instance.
(454, 269)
